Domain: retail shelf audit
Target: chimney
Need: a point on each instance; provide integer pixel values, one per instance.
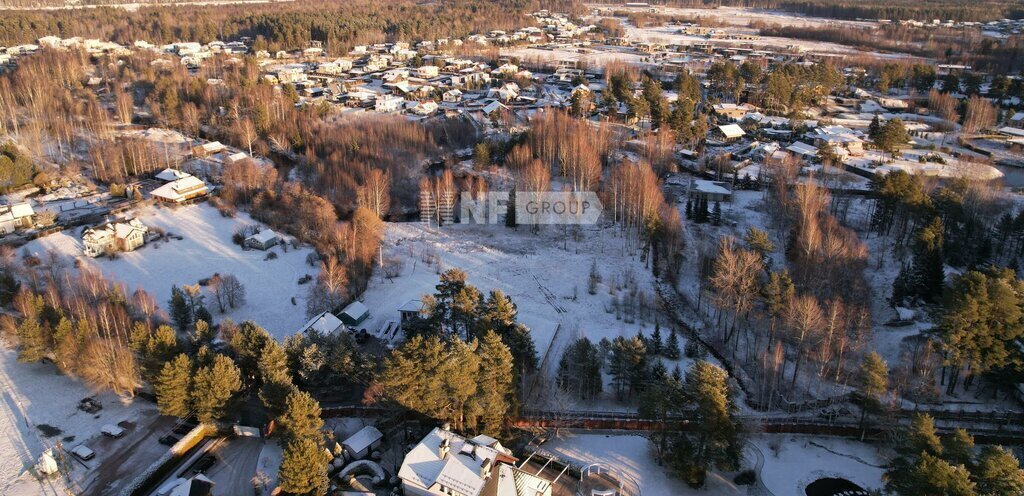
(443, 449)
(485, 469)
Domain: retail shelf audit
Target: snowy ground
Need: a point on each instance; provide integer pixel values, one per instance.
(633, 457)
(545, 278)
(740, 16)
(800, 460)
(790, 462)
(35, 394)
(271, 285)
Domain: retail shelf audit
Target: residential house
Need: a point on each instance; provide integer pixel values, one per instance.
(168, 175)
(733, 112)
(427, 71)
(445, 463)
(262, 240)
(180, 190)
(207, 149)
(452, 96)
(709, 190)
(114, 237)
(728, 132)
(388, 103)
(324, 324)
(15, 216)
(411, 311)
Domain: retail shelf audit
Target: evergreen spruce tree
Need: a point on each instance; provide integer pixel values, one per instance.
(929, 276)
(181, 312)
(214, 386)
(921, 436)
(716, 214)
(31, 340)
(689, 209)
(510, 211)
(579, 370)
(654, 345)
(495, 386)
(672, 346)
(874, 128)
(303, 468)
(301, 418)
(173, 387)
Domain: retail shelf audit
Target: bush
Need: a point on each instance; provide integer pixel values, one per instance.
(745, 478)
(270, 256)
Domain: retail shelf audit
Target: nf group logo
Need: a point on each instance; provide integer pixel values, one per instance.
(531, 208)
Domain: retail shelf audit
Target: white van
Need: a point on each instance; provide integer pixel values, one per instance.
(83, 452)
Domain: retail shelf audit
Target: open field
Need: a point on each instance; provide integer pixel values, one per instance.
(274, 299)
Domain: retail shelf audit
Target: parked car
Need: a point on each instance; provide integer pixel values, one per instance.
(82, 451)
(111, 430)
(169, 440)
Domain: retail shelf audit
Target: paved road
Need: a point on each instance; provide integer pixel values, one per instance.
(236, 465)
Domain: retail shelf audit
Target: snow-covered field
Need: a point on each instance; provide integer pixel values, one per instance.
(546, 278)
(35, 394)
(633, 457)
(271, 285)
(790, 462)
(801, 460)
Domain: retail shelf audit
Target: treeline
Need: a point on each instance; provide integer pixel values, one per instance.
(339, 25)
(925, 10)
(961, 46)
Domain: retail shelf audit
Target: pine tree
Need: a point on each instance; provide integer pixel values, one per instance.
(214, 385)
(65, 346)
(494, 383)
(275, 378)
(173, 386)
(921, 436)
(31, 341)
(689, 209)
(510, 210)
(181, 312)
(579, 370)
(931, 475)
(958, 448)
(874, 376)
(999, 473)
(716, 214)
(929, 276)
(303, 468)
(301, 418)
(714, 443)
(672, 346)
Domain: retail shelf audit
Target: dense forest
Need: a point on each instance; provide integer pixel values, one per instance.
(873, 9)
(339, 25)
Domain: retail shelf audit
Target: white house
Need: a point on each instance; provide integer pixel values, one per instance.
(324, 324)
(114, 237)
(168, 175)
(452, 96)
(424, 108)
(388, 103)
(180, 190)
(360, 444)
(262, 240)
(15, 216)
(731, 132)
(445, 463)
(427, 71)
